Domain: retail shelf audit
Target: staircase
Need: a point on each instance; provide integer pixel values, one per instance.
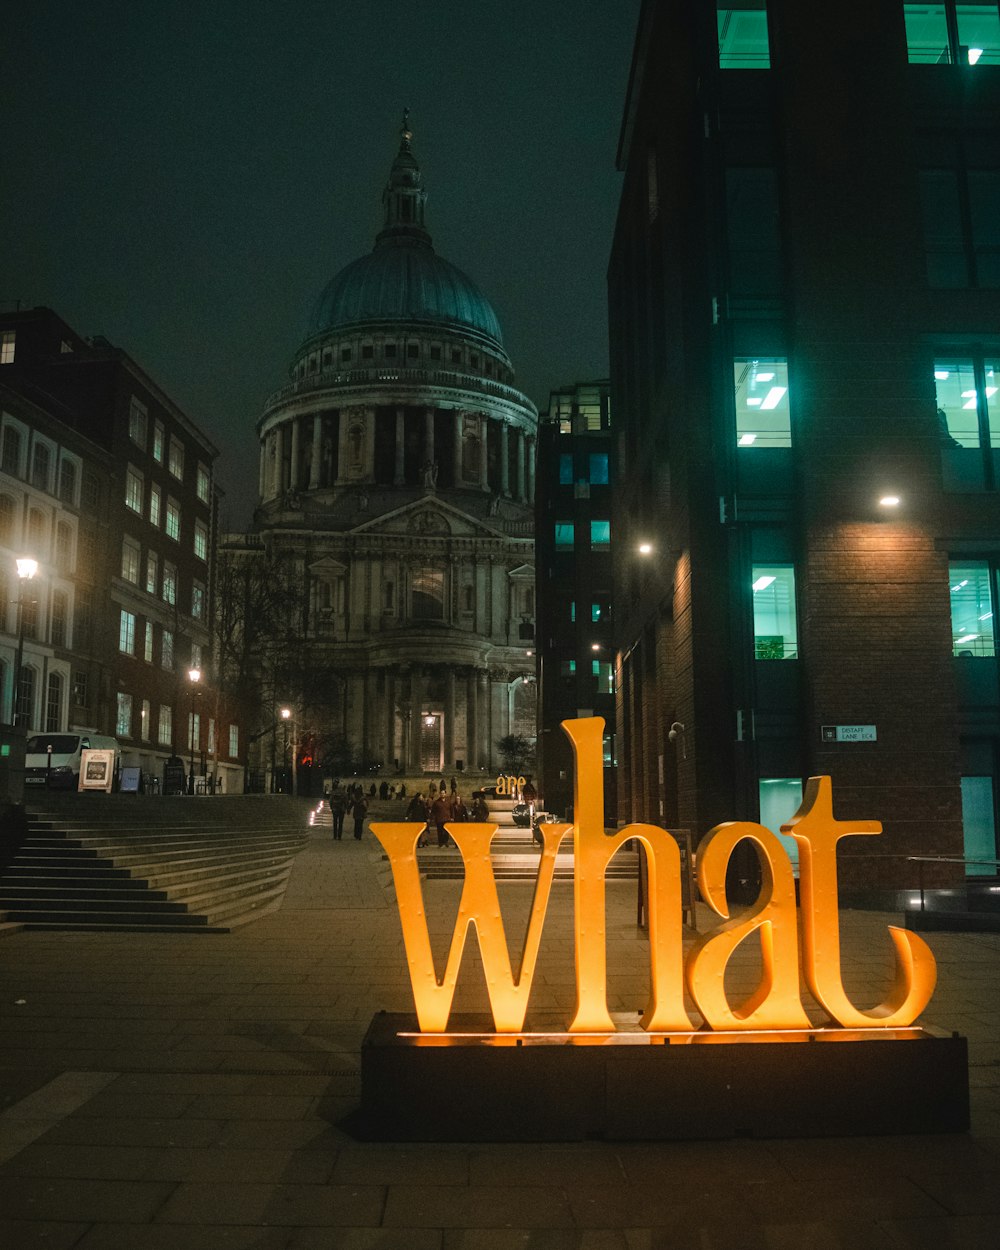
(152, 864)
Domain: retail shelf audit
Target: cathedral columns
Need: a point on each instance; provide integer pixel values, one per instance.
(449, 718)
(531, 471)
(279, 460)
(521, 487)
(504, 461)
(484, 470)
(399, 465)
(389, 715)
(459, 418)
(293, 468)
(416, 712)
(472, 719)
(262, 469)
(483, 716)
(429, 435)
(317, 452)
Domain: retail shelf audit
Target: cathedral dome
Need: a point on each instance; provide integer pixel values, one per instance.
(404, 280)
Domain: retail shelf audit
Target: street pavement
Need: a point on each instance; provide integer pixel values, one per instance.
(175, 1092)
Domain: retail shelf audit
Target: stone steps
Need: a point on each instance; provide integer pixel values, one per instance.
(89, 866)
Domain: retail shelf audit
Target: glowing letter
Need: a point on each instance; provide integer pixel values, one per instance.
(813, 827)
(479, 906)
(775, 1003)
(592, 852)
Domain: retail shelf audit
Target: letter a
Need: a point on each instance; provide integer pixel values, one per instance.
(479, 906)
(817, 833)
(775, 1003)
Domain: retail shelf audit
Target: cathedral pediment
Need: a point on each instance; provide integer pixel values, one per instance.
(525, 571)
(327, 569)
(428, 518)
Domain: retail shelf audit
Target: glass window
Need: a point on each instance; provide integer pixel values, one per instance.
(176, 462)
(972, 627)
(599, 468)
(780, 799)
(194, 731)
(572, 610)
(8, 340)
(123, 720)
(600, 610)
(155, 505)
(25, 710)
(774, 619)
(165, 728)
(197, 600)
(152, 568)
(10, 459)
(173, 526)
(169, 582)
(126, 632)
(762, 415)
(984, 219)
(979, 825)
(427, 595)
(67, 481)
(158, 441)
(567, 668)
(131, 554)
(564, 535)
(195, 655)
(752, 233)
(146, 724)
(137, 422)
(743, 36)
(167, 651)
(565, 468)
(6, 520)
(944, 232)
(204, 482)
(600, 534)
(64, 546)
(968, 416)
(81, 689)
(133, 490)
(147, 648)
(59, 618)
(41, 458)
(234, 741)
(201, 540)
(978, 33)
(926, 34)
(602, 670)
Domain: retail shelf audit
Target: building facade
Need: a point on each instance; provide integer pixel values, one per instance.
(575, 643)
(397, 486)
(89, 433)
(805, 304)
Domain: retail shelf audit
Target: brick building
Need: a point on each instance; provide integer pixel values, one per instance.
(805, 304)
(131, 561)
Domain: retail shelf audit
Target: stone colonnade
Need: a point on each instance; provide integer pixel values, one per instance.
(293, 454)
(429, 717)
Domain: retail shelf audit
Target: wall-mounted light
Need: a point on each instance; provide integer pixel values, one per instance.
(645, 549)
(889, 501)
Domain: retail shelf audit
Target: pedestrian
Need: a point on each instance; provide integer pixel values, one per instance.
(480, 812)
(458, 809)
(358, 812)
(417, 810)
(529, 795)
(454, 785)
(440, 815)
(371, 790)
(338, 809)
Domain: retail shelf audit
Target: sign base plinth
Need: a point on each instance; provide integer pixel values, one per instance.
(471, 1084)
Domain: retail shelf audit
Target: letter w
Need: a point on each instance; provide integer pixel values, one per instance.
(479, 906)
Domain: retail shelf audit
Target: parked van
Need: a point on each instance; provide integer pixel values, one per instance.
(65, 771)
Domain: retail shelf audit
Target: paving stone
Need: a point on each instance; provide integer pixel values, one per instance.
(94, 1162)
(84, 1131)
(964, 1193)
(964, 1232)
(227, 1165)
(251, 1107)
(533, 1239)
(474, 1206)
(400, 1165)
(108, 1106)
(284, 1205)
(184, 1237)
(40, 1235)
(23, 1198)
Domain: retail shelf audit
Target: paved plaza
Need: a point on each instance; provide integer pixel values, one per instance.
(174, 1092)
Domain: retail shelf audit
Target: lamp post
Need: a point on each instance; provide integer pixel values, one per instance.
(26, 570)
(286, 714)
(194, 677)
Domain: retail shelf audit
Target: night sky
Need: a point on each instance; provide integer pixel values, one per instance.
(184, 178)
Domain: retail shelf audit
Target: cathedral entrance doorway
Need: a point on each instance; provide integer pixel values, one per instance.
(430, 742)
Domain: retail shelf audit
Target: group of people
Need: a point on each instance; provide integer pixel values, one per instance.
(439, 807)
(343, 801)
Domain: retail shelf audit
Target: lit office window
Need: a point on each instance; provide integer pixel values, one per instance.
(169, 582)
(968, 421)
(131, 554)
(133, 490)
(167, 650)
(743, 36)
(152, 565)
(979, 826)
(138, 419)
(972, 629)
(176, 461)
(155, 505)
(201, 540)
(147, 647)
(780, 798)
(599, 468)
(158, 442)
(602, 670)
(950, 33)
(8, 340)
(600, 535)
(126, 632)
(234, 741)
(173, 526)
(197, 600)
(564, 535)
(204, 482)
(567, 668)
(775, 626)
(145, 722)
(165, 727)
(123, 720)
(763, 419)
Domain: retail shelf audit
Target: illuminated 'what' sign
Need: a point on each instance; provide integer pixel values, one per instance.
(774, 1004)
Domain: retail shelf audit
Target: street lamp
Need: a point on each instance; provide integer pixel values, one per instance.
(194, 677)
(286, 714)
(26, 570)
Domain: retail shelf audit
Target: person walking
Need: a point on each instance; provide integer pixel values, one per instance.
(458, 809)
(440, 815)
(417, 811)
(338, 809)
(358, 812)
